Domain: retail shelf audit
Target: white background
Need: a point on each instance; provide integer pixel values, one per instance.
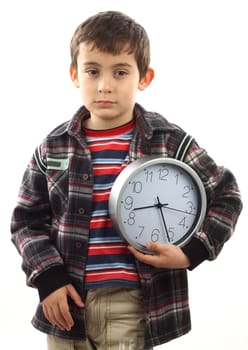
(200, 56)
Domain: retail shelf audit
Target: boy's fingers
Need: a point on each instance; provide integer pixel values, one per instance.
(74, 296)
(145, 258)
(64, 316)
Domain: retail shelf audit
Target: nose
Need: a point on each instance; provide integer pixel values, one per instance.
(104, 85)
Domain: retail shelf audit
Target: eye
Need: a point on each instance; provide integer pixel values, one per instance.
(120, 73)
(92, 72)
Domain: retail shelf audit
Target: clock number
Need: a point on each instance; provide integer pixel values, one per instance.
(137, 186)
(190, 208)
(171, 233)
(187, 189)
(163, 173)
(141, 231)
(128, 202)
(155, 235)
(149, 176)
(131, 218)
(177, 178)
(182, 222)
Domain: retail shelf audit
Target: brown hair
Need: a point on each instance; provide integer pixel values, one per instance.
(113, 32)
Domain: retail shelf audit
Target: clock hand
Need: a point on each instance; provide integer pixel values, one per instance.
(180, 211)
(160, 205)
(146, 207)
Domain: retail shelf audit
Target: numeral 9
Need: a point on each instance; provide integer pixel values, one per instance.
(128, 202)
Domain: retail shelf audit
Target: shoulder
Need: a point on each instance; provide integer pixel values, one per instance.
(55, 141)
(150, 123)
(71, 127)
(59, 130)
(66, 130)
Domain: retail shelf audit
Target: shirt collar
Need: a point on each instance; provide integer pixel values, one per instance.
(147, 122)
(75, 126)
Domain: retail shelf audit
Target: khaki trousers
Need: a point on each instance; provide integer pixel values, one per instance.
(114, 321)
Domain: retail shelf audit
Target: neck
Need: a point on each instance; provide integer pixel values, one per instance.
(93, 124)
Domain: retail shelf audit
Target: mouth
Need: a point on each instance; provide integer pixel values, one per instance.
(104, 103)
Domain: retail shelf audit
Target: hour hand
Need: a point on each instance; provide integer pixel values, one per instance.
(145, 207)
(156, 205)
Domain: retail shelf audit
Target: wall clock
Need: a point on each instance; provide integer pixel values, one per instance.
(157, 199)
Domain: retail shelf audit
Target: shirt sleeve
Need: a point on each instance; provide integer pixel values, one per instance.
(31, 229)
(223, 207)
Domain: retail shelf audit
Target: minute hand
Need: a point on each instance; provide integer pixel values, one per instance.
(180, 211)
(160, 205)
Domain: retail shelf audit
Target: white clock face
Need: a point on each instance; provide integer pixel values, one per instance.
(159, 201)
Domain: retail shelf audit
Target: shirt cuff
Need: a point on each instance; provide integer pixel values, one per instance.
(196, 252)
(50, 280)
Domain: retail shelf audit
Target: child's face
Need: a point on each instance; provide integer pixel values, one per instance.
(108, 85)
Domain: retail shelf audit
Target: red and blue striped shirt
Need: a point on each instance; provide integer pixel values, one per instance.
(109, 262)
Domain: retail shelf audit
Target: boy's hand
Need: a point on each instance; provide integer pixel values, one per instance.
(56, 309)
(166, 256)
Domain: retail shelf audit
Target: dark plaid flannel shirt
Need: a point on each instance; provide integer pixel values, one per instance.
(50, 223)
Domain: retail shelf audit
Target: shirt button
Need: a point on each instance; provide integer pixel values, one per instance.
(85, 176)
(81, 210)
(78, 245)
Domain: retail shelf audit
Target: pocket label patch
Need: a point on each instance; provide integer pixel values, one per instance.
(57, 164)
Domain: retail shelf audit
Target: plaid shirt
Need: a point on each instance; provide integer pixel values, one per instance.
(50, 223)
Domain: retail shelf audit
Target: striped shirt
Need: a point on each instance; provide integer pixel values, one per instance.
(109, 262)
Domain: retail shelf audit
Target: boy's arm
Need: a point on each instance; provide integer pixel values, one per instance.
(31, 233)
(223, 209)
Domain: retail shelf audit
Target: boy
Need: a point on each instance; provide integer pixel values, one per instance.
(95, 291)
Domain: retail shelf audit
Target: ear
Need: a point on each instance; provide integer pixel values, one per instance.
(74, 76)
(146, 79)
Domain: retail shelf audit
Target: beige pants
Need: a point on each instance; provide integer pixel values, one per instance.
(114, 320)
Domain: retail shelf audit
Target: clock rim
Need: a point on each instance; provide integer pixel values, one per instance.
(131, 170)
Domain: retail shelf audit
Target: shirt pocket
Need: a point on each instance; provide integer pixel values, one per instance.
(58, 182)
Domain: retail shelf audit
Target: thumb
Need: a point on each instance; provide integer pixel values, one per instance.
(75, 296)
